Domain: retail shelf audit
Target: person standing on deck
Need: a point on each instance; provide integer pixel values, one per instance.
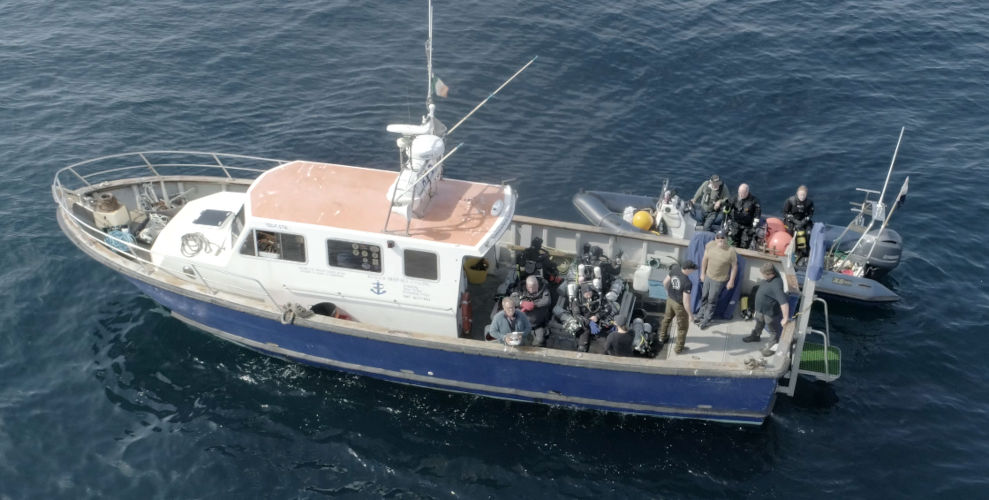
(678, 289)
(718, 271)
(770, 302)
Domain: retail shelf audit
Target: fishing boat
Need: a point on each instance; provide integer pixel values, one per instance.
(375, 272)
(859, 254)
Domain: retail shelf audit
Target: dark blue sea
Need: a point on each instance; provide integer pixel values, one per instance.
(104, 395)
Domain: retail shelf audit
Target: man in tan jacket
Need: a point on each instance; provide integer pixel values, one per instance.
(719, 269)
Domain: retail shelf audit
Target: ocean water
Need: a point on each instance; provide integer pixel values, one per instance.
(104, 395)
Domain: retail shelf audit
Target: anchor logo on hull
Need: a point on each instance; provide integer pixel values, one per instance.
(378, 288)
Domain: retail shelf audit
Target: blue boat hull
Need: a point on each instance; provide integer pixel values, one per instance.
(488, 372)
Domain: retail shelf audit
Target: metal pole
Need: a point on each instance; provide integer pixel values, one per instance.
(490, 96)
(429, 56)
(885, 222)
(888, 174)
(437, 164)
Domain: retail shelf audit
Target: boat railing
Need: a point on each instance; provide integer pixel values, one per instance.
(828, 374)
(158, 164)
(135, 253)
(169, 163)
(827, 331)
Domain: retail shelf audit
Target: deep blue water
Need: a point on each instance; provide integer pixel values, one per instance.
(104, 395)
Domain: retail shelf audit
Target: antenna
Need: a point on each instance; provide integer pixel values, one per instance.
(429, 56)
(486, 99)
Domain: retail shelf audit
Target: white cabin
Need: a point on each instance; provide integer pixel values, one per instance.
(307, 233)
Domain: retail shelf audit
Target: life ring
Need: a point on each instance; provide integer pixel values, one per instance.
(466, 314)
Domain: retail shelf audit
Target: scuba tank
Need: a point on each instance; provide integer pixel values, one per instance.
(801, 239)
(641, 336)
(746, 307)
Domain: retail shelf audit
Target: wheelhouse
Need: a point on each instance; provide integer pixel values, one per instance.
(317, 232)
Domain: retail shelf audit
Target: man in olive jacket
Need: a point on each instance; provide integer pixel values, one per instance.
(709, 200)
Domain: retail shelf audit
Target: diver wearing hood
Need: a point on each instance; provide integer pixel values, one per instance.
(535, 260)
(797, 211)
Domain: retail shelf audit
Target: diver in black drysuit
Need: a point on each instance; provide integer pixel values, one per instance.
(797, 211)
(743, 213)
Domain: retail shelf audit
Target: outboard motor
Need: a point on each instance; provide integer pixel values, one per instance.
(674, 219)
(886, 255)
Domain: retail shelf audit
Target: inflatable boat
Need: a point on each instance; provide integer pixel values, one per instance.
(858, 255)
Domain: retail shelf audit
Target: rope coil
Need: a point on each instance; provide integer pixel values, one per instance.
(193, 243)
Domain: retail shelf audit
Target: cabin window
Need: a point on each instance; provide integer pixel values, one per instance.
(419, 264)
(274, 245)
(237, 225)
(352, 255)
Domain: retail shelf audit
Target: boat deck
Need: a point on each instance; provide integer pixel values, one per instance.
(720, 343)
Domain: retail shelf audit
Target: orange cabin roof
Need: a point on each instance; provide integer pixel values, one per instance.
(355, 198)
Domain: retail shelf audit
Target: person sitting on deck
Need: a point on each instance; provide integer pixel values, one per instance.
(709, 200)
(535, 261)
(770, 301)
(535, 302)
(619, 342)
(797, 211)
(508, 320)
(597, 269)
(742, 215)
(595, 316)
